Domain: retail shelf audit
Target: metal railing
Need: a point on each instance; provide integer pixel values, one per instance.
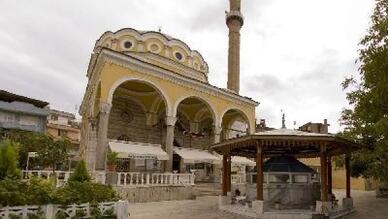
(154, 179)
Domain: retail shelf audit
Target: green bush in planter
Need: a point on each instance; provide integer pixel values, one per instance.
(80, 173)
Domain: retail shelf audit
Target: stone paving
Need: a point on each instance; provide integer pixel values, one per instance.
(367, 206)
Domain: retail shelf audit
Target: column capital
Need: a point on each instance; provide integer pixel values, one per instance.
(217, 130)
(105, 107)
(171, 120)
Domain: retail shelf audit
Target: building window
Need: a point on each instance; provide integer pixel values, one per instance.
(54, 117)
(62, 133)
(127, 44)
(178, 56)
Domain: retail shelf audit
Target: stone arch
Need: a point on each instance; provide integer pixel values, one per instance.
(182, 98)
(241, 113)
(160, 91)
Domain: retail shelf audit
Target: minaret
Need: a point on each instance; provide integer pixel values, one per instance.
(234, 21)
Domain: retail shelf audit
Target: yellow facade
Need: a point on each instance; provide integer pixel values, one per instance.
(338, 176)
(164, 79)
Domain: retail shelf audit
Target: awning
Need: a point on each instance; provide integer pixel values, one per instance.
(191, 155)
(237, 160)
(138, 150)
(242, 161)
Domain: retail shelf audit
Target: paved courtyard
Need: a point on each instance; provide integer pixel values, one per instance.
(367, 206)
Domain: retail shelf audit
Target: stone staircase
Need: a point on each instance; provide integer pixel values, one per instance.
(207, 189)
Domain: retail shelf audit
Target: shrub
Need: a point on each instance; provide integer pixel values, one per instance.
(9, 159)
(82, 192)
(15, 192)
(80, 173)
(12, 192)
(39, 191)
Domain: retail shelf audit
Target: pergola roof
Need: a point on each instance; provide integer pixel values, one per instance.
(285, 142)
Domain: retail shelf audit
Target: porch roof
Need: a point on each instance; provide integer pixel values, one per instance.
(138, 150)
(191, 155)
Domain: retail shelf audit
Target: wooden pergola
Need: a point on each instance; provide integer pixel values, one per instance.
(286, 142)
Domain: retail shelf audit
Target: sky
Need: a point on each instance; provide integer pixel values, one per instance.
(294, 54)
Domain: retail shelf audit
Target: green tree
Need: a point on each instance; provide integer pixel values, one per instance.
(80, 173)
(9, 159)
(28, 142)
(52, 152)
(367, 121)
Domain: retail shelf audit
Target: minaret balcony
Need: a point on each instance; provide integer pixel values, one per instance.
(234, 14)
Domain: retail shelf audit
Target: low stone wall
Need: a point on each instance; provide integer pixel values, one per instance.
(288, 195)
(156, 193)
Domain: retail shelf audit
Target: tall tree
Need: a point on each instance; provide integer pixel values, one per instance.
(367, 120)
(53, 152)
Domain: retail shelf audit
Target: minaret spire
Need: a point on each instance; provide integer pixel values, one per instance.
(234, 21)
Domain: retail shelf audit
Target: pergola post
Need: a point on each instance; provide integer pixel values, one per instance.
(259, 205)
(347, 202)
(329, 176)
(259, 174)
(347, 169)
(224, 177)
(323, 157)
(323, 205)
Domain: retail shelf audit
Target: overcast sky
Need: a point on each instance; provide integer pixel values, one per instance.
(294, 54)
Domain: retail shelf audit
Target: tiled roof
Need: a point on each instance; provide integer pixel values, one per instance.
(10, 97)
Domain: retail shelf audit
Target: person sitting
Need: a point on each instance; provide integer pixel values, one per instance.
(332, 199)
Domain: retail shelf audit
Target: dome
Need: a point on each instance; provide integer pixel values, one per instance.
(286, 164)
(158, 49)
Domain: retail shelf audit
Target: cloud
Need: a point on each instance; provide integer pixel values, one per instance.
(294, 54)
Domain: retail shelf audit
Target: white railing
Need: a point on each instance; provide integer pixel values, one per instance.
(62, 176)
(99, 177)
(120, 209)
(291, 179)
(237, 178)
(154, 179)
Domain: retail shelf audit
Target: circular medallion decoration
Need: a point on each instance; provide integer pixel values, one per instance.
(126, 116)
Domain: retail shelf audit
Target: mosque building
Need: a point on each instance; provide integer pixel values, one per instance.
(148, 98)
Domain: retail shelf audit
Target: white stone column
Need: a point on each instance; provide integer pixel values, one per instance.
(90, 143)
(194, 127)
(217, 134)
(169, 144)
(102, 135)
